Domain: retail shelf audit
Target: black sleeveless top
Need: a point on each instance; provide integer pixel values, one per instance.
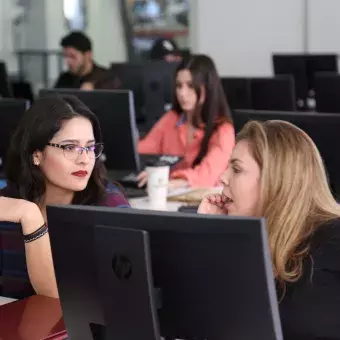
(310, 308)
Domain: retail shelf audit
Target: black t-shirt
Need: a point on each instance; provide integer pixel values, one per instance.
(101, 78)
(310, 309)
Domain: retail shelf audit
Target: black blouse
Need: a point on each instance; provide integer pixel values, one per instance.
(310, 308)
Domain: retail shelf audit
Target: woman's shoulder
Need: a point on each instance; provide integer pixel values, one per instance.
(170, 117)
(224, 133)
(225, 126)
(327, 232)
(325, 245)
(115, 198)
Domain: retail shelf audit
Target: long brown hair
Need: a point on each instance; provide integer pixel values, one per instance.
(215, 109)
(295, 197)
(36, 128)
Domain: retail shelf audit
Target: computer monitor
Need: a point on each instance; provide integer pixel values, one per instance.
(115, 112)
(294, 65)
(212, 274)
(303, 67)
(22, 89)
(158, 86)
(5, 87)
(152, 83)
(130, 76)
(276, 93)
(327, 92)
(320, 63)
(322, 128)
(237, 91)
(11, 111)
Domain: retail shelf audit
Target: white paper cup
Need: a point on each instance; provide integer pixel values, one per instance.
(157, 187)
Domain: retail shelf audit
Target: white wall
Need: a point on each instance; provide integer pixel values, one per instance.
(241, 35)
(106, 31)
(7, 12)
(324, 26)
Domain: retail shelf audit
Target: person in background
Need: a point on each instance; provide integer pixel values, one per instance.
(199, 128)
(83, 72)
(276, 172)
(54, 158)
(165, 49)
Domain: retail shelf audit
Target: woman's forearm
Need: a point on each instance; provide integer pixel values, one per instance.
(39, 257)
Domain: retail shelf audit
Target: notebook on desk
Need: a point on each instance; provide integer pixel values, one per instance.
(194, 196)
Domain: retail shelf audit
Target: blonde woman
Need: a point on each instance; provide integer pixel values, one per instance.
(276, 171)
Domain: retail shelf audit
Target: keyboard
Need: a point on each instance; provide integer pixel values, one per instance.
(149, 158)
(135, 192)
(132, 177)
(188, 209)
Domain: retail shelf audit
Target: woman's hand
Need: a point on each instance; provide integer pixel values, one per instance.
(177, 184)
(142, 179)
(213, 205)
(87, 86)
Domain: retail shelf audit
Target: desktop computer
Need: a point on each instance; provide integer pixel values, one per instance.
(270, 93)
(320, 63)
(273, 93)
(238, 93)
(327, 92)
(132, 274)
(11, 111)
(5, 86)
(303, 68)
(152, 83)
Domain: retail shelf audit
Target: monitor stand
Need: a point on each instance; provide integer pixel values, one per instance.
(126, 284)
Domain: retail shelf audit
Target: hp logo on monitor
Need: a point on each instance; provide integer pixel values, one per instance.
(122, 267)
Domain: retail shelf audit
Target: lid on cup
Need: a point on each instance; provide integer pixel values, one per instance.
(156, 163)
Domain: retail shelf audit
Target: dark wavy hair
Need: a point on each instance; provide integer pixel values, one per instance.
(35, 130)
(215, 109)
(78, 40)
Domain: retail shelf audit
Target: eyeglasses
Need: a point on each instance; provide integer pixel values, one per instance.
(72, 151)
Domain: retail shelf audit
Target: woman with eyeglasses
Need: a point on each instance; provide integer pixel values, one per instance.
(54, 158)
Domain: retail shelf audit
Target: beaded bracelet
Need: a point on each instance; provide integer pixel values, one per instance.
(36, 234)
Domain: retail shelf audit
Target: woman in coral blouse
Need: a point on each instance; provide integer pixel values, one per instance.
(199, 128)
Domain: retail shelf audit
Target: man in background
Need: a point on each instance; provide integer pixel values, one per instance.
(83, 72)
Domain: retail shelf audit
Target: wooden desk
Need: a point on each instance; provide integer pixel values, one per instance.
(35, 318)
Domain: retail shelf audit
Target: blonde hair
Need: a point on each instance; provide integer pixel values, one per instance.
(295, 197)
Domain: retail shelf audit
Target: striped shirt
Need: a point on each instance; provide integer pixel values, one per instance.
(14, 280)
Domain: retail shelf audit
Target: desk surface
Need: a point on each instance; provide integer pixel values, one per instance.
(143, 204)
(37, 317)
